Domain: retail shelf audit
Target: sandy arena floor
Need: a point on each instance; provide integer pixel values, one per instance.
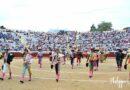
(71, 79)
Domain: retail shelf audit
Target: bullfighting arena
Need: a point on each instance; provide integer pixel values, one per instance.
(106, 78)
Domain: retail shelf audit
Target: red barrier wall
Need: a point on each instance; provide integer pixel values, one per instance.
(19, 54)
(111, 54)
(16, 54)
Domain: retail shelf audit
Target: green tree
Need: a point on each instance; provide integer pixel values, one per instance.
(93, 28)
(104, 26)
(61, 32)
(2, 27)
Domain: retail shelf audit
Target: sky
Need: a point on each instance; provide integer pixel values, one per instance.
(78, 15)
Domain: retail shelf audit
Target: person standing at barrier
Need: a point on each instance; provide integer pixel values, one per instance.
(96, 59)
(127, 63)
(103, 57)
(119, 59)
(72, 57)
(40, 56)
(79, 56)
(8, 57)
(1, 56)
(27, 60)
(50, 55)
(64, 53)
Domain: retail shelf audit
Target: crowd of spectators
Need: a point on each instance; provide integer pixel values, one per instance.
(109, 40)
